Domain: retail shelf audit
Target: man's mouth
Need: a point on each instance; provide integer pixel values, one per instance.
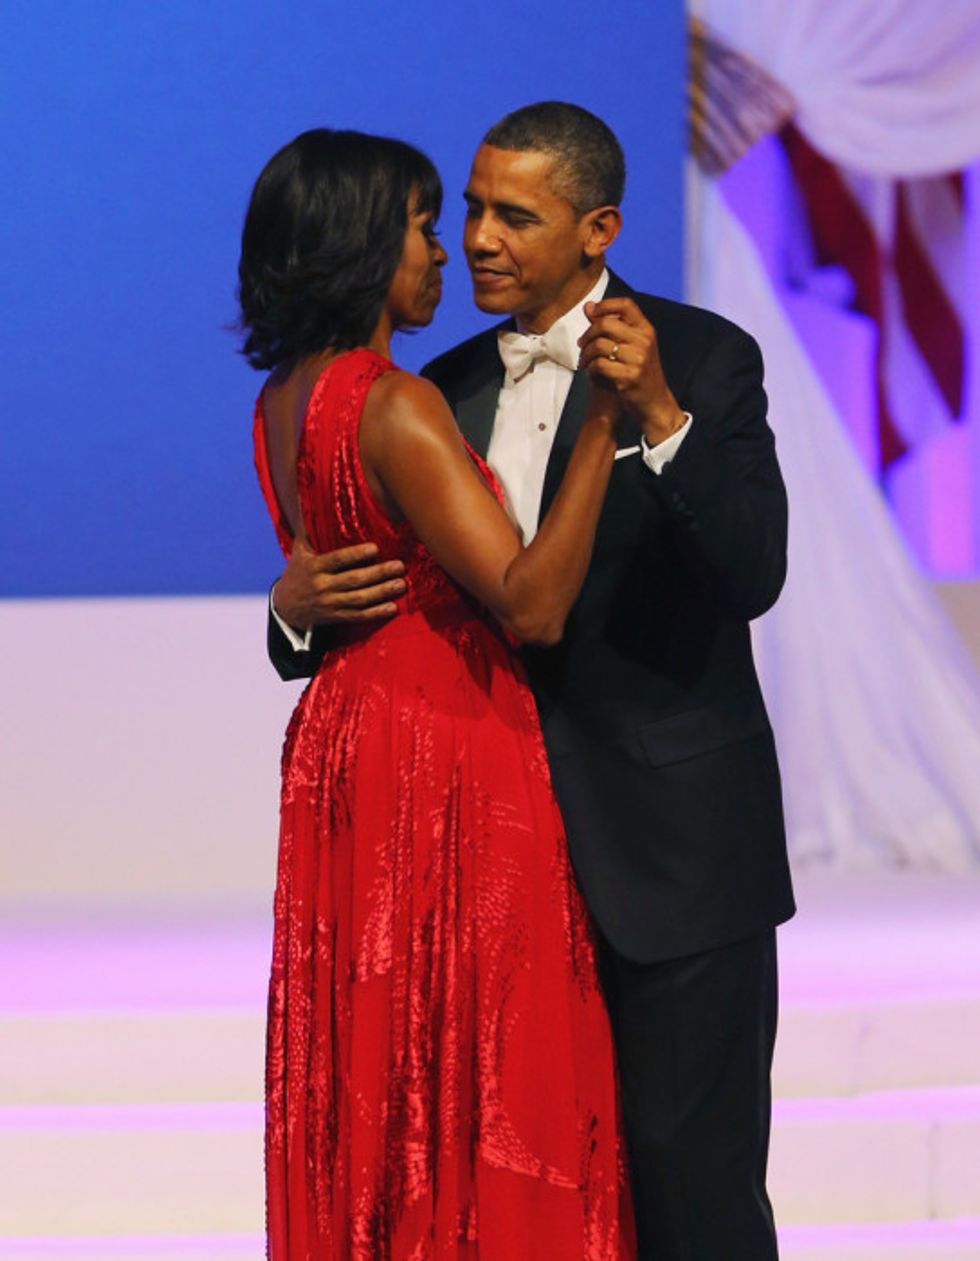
(489, 275)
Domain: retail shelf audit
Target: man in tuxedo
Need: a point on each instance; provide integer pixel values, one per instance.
(660, 748)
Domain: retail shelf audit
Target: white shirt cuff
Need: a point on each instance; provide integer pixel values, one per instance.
(655, 458)
(299, 643)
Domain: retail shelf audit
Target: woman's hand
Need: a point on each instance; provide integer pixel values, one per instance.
(619, 349)
(605, 405)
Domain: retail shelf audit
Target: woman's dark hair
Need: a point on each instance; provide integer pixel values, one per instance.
(323, 236)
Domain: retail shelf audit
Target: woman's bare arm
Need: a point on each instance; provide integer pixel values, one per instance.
(414, 456)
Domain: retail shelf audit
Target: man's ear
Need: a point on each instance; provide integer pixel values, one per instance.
(601, 227)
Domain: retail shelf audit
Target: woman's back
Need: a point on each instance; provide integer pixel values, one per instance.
(315, 487)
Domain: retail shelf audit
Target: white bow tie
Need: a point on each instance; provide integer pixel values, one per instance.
(520, 350)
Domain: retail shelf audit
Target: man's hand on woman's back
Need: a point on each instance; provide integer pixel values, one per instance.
(331, 588)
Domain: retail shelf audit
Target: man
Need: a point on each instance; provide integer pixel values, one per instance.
(661, 752)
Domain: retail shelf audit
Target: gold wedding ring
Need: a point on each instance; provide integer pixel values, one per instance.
(614, 352)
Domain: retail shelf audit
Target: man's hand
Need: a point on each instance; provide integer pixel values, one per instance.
(317, 588)
(620, 348)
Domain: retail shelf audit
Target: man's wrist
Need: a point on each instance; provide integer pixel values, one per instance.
(299, 637)
(657, 457)
(664, 422)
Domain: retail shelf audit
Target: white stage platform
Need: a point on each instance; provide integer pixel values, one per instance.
(130, 1084)
(137, 849)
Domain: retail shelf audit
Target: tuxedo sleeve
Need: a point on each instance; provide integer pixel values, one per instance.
(290, 663)
(723, 493)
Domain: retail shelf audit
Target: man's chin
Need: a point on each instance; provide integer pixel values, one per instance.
(492, 303)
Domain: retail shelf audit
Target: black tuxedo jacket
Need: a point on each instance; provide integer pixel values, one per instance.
(660, 748)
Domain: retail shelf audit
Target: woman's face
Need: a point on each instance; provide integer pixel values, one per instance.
(417, 284)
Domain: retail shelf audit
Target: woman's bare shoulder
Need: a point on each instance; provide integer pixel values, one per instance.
(408, 436)
(401, 398)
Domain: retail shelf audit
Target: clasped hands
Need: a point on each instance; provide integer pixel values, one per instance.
(619, 350)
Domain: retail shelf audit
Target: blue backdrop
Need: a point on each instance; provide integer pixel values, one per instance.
(131, 133)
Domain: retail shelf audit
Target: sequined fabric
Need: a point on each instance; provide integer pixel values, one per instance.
(440, 1078)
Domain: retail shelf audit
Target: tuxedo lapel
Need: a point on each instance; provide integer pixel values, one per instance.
(475, 403)
(618, 288)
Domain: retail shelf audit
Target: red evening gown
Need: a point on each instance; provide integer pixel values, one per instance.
(440, 1079)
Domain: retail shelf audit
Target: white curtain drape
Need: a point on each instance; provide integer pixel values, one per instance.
(889, 87)
(875, 703)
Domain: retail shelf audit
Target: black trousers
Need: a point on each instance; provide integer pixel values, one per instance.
(694, 1040)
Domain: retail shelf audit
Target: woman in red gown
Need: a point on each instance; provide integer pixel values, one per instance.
(440, 1076)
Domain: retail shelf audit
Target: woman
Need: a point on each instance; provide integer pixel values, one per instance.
(440, 1076)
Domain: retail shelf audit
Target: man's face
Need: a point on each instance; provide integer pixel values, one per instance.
(523, 242)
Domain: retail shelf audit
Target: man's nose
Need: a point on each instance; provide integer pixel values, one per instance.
(481, 237)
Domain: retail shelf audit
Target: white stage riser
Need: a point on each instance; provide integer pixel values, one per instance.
(919, 1241)
(853, 1048)
(876, 1158)
(159, 1168)
(132, 1057)
(135, 891)
(114, 1174)
(185, 1056)
(202, 1247)
(932, 1241)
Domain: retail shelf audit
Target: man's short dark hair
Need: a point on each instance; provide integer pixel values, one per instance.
(591, 167)
(323, 236)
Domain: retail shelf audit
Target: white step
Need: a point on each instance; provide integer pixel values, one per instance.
(170, 1247)
(132, 1169)
(201, 1053)
(850, 1046)
(884, 1157)
(908, 1241)
(131, 1078)
(178, 1056)
(876, 1158)
(879, 984)
(188, 1054)
(912, 1241)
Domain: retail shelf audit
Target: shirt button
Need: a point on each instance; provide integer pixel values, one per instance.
(542, 426)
